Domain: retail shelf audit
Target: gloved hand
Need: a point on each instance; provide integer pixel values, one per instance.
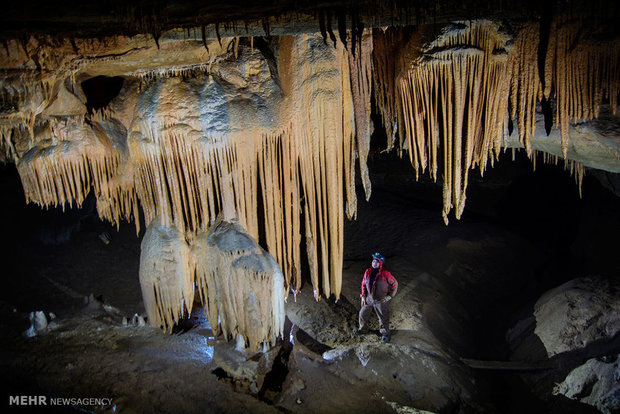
(386, 299)
(363, 301)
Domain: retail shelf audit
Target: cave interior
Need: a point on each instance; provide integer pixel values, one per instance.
(168, 164)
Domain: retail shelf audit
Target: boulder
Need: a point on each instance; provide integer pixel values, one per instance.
(578, 313)
(596, 383)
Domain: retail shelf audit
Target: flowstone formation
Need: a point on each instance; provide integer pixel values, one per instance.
(267, 131)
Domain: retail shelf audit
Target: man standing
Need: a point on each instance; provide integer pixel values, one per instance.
(378, 288)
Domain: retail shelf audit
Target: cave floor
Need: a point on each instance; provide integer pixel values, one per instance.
(446, 275)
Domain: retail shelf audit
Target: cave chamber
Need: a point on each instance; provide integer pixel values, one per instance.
(193, 192)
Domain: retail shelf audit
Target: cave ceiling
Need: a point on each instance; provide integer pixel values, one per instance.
(186, 111)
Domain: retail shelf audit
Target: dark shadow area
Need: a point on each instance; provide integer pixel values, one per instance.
(309, 342)
(54, 258)
(100, 91)
(274, 379)
(567, 237)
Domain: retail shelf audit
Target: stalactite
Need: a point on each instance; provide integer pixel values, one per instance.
(361, 77)
(8, 153)
(575, 168)
(240, 285)
(579, 73)
(101, 114)
(280, 189)
(118, 200)
(64, 172)
(147, 76)
(386, 47)
(525, 85)
(324, 128)
(456, 87)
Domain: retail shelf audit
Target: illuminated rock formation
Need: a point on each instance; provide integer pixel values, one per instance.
(166, 275)
(454, 84)
(240, 284)
(452, 93)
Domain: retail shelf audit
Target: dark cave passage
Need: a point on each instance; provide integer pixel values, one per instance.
(100, 91)
(57, 256)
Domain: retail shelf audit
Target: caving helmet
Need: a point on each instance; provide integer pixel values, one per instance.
(379, 257)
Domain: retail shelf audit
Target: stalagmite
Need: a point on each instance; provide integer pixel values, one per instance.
(240, 285)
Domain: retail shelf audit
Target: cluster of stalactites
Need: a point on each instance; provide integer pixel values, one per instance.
(360, 68)
(449, 95)
(23, 97)
(301, 173)
(61, 170)
(240, 285)
(300, 177)
(149, 76)
(387, 61)
(70, 159)
(453, 93)
(579, 74)
(61, 152)
(117, 200)
(525, 86)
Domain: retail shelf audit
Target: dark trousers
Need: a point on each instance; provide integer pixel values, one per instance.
(383, 312)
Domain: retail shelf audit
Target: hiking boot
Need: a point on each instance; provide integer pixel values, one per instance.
(357, 332)
(385, 339)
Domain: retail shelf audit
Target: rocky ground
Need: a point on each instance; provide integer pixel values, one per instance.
(462, 288)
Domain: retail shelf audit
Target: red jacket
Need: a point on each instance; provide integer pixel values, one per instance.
(385, 284)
